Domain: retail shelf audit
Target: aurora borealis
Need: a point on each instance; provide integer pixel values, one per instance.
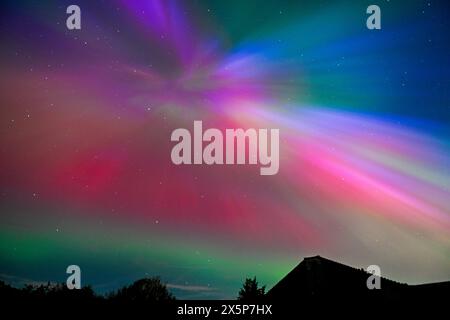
(86, 116)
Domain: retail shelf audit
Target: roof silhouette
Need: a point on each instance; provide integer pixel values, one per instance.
(320, 279)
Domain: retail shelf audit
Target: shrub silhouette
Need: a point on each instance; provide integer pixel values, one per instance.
(48, 294)
(147, 290)
(250, 290)
(58, 292)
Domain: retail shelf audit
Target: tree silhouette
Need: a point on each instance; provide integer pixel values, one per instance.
(143, 290)
(251, 291)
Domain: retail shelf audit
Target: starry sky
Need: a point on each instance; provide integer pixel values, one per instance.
(86, 117)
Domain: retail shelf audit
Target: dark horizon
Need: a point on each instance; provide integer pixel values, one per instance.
(292, 279)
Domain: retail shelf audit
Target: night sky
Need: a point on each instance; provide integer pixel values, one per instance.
(86, 116)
